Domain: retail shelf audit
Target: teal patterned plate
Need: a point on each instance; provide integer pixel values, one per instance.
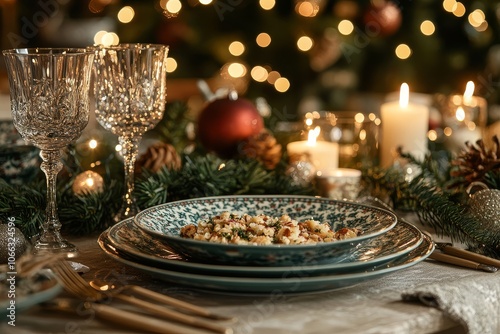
(166, 220)
(279, 285)
(130, 242)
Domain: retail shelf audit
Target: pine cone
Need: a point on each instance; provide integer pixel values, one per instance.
(262, 147)
(159, 155)
(473, 163)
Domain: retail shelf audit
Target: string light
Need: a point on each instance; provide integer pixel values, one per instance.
(403, 51)
(259, 73)
(92, 143)
(345, 27)
(307, 8)
(126, 14)
(236, 48)
(459, 10)
(171, 7)
(267, 4)
(106, 38)
(273, 76)
(476, 18)
(282, 84)
(171, 65)
(263, 40)
(432, 135)
(427, 28)
(449, 5)
(359, 118)
(236, 70)
(305, 43)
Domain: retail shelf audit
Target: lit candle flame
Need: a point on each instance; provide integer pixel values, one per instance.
(460, 114)
(404, 95)
(469, 91)
(312, 136)
(89, 182)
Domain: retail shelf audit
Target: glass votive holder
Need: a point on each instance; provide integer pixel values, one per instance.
(341, 183)
(356, 134)
(463, 119)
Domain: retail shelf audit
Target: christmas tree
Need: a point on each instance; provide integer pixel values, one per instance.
(324, 51)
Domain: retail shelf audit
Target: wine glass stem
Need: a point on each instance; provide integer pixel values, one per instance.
(51, 166)
(130, 149)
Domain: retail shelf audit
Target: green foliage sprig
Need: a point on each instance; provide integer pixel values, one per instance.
(208, 175)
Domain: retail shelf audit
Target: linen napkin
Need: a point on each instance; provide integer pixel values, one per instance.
(473, 301)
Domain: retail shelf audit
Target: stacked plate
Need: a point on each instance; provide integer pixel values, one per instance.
(151, 242)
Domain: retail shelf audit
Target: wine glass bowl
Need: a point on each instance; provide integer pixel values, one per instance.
(130, 92)
(49, 90)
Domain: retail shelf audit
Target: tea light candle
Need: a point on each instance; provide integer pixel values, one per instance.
(341, 183)
(466, 118)
(88, 182)
(322, 154)
(404, 125)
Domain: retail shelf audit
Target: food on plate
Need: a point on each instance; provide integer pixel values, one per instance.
(232, 228)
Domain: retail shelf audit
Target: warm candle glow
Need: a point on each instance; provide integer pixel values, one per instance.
(460, 114)
(404, 96)
(89, 182)
(405, 127)
(312, 136)
(469, 91)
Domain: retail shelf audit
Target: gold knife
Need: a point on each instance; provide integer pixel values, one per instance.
(446, 258)
(465, 254)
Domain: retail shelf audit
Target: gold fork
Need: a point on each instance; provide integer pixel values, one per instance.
(78, 287)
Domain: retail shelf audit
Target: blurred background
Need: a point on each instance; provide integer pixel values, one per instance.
(300, 55)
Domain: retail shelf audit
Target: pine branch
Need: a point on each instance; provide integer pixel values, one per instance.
(84, 214)
(203, 176)
(173, 127)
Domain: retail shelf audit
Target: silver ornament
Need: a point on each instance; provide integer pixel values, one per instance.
(12, 243)
(484, 205)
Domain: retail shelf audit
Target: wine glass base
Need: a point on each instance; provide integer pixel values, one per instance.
(61, 246)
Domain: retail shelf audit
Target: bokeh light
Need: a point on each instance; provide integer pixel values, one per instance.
(126, 14)
(403, 51)
(263, 39)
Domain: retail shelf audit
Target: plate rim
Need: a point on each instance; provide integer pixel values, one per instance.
(28, 301)
(208, 281)
(261, 270)
(359, 238)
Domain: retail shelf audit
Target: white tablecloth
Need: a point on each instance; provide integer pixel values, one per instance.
(371, 307)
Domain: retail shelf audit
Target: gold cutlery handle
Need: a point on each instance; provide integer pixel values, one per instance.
(174, 315)
(446, 258)
(176, 302)
(140, 322)
(470, 256)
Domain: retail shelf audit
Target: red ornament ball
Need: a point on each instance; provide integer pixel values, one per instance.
(224, 123)
(382, 18)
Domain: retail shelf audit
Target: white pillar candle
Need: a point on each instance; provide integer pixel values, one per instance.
(404, 125)
(322, 154)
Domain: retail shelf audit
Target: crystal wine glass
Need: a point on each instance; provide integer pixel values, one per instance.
(130, 91)
(49, 92)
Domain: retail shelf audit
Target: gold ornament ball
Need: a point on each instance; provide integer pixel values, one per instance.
(88, 182)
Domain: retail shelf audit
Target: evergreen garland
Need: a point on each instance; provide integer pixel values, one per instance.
(203, 176)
